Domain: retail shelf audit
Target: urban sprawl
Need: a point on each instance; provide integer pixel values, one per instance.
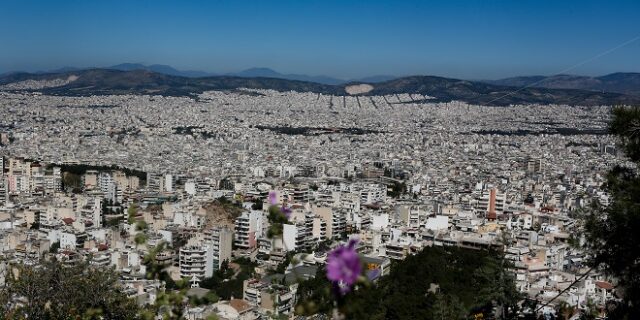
(107, 178)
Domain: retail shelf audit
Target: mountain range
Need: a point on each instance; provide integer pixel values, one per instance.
(621, 82)
(439, 89)
(248, 73)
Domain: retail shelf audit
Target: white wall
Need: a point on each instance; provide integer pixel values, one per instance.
(379, 222)
(289, 233)
(437, 223)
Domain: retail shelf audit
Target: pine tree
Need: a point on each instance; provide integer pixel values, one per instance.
(613, 232)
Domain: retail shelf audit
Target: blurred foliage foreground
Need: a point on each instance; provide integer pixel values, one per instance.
(437, 283)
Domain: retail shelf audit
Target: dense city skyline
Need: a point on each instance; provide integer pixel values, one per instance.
(255, 160)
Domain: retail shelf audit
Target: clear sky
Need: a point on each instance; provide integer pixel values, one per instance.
(481, 39)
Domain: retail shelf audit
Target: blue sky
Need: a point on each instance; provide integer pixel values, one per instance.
(481, 39)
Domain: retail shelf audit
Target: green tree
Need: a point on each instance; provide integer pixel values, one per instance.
(397, 189)
(54, 247)
(140, 238)
(612, 231)
(226, 283)
(314, 295)
(447, 307)
(71, 180)
(171, 303)
(564, 311)
(53, 290)
(470, 281)
(131, 213)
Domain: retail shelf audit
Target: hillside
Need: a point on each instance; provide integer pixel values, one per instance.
(107, 81)
(445, 89)
(621, 82)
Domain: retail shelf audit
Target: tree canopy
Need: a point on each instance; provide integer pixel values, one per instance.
(612, 231)
(55, 290)
(467, 282)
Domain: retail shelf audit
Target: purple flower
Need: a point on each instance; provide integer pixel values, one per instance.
(286, 211)
(273, 198)
(344, 267)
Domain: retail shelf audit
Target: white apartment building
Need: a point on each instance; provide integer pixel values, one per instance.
(248, 228)
(219, 240)
(196, 261)
(296, 236)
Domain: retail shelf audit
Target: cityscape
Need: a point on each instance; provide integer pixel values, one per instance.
(147, 194)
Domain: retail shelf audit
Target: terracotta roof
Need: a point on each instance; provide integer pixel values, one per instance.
(240, 305)
(68, 221)
(604, 285)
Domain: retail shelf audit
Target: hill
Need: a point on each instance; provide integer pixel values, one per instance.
(621, 82)
(248, 73)
(445, 89)
(270, 73)
(109, 81)
(160, 68)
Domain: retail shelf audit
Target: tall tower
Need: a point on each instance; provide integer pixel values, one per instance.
(491, 214)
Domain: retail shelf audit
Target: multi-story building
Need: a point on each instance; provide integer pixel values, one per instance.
(301, 194)
(169, 182)
(195, 262)
(108, 186)
(275, 298)
(220, 240)
(296, 236)
(373, 193)
(3, 192)
(72, 239)
(335, 220)
(90, 179)
(53, 180)
(248, 228)
(155, 182)
(491, 204)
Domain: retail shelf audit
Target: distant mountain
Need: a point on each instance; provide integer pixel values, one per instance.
(248, 73)
(624, 82)
(523, 81)
(627, 83)
(257, 72)
(270, 73)
(109, 81)
(445, 89)
(61, 70)
(161, 68)
(112, 81)
(375, 79)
